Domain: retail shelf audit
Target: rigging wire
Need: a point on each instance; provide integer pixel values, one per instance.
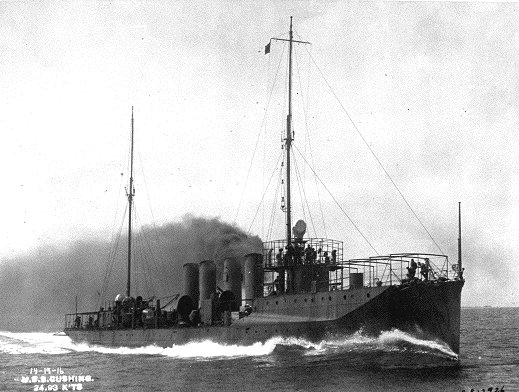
(112, 256)
(374, 155)
(305, 112)
(302, 194)
(145, 269)
(259, 134)
(155, 230)
(145, 244)
(273, 210)
(113, 250)
(117, 206)
(263, 196)
(135, 281)
(336, 202)
(158, 269)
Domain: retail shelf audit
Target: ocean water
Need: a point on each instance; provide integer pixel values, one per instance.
(393, 361)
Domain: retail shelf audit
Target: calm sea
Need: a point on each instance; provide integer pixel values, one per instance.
(394, 361)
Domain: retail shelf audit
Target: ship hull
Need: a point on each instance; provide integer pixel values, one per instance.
(428, 310)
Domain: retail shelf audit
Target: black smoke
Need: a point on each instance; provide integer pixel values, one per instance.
(37, 289)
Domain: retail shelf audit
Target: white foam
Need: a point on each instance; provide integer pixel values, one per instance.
(387, 341)
(33, 343)
(396, 336)
(201, 349)
(47, 343)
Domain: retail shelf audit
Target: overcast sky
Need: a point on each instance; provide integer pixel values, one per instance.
(432, 87)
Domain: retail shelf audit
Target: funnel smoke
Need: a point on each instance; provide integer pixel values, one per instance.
(37, 289)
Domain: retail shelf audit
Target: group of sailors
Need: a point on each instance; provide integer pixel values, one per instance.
(297, 254)
(121, 315)
(93, 322)
(425, 269)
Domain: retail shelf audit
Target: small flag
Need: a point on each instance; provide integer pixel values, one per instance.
(267, 48)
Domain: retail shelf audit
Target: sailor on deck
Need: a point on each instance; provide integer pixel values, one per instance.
(279, 257)
(308, 254)
(425, 269)
(77, 321)
(411, 270)
(289, 256)
(269, 259)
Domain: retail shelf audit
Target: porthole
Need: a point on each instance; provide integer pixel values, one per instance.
(329, 298)
(305, 299)
(344, 296)
(277, 303)
(367, 295)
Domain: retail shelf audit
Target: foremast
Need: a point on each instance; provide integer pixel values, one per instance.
(288, 140)
(290, 134)
(460, 265)
(130, 193)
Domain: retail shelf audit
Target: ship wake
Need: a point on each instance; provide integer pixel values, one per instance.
(393, 348)
(386, 349)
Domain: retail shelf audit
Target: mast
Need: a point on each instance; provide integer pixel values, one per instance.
(459, 240)
(130, 193)
(289, 138)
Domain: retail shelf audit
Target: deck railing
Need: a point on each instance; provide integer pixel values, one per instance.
(327, 255)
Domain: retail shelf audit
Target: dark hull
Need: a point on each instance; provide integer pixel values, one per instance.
(429, 310)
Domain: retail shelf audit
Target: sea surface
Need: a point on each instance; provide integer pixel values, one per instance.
(393, 361)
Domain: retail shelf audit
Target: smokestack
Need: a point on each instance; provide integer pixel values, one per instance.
(253, 276)
(207, 279)
(191, 281)
(232, 278)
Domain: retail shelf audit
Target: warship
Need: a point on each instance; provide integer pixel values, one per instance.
(296, 287)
